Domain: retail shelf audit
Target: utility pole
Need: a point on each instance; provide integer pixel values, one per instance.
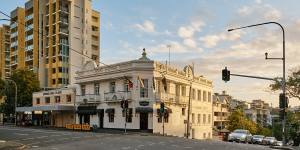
(188, 114)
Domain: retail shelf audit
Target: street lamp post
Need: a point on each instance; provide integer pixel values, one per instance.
(283, 84)
(16, 98)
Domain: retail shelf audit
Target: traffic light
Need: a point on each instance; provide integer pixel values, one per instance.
(122, 103)
(126, 104)
(162, 107)
(164, 82)
(283, 101)
(282, 113)
(225, 74)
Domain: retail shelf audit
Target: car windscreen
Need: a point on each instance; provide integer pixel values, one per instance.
(240, 131)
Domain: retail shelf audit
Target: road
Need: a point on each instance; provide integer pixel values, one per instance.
(47, 139)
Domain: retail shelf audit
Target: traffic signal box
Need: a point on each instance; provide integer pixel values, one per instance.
(225, 74)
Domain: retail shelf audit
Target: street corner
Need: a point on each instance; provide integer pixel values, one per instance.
(8, 145)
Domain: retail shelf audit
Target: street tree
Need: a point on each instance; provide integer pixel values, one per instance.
(292, 84)
(27, 83)
(238, 120)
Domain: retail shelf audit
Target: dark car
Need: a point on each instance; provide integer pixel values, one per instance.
(257, 139)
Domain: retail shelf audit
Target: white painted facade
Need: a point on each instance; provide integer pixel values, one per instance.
(144, 106)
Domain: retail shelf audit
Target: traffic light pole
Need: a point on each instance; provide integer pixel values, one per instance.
(256, 77)
(283, 83)
(125, 110)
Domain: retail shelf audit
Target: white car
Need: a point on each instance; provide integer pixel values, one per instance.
(240, 135)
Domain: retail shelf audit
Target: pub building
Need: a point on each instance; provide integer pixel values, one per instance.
(54, 107)
(145, 84)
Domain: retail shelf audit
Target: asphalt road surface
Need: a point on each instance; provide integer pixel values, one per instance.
(47, 139)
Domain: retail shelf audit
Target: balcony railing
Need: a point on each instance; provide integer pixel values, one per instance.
(65, 31)
(171, 98)
(13, 34)
(28, 17)
(13, 44)
(88, 98)
(117, 96)
(13, 25)
(29, 27)
(30, 37)
(29, 48)
(28, 58)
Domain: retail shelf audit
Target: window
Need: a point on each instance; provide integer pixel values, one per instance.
(53, 70)
(183, 91)
(177, 90)
(144, 90)
(183, 111)
(199, 95)
(193, 118)
(53, 81)
(204, 95)
(204, 135)
(112, 87)
(126, 86)
(97, 89)
(209, 97)
(209, 118)
(82, 90)
(208, 134)
(111, 117)
(199, 118)
(204, 119)
(37, 100)
(69, 98)
(57, 99)
(193, 94)
(47, 100)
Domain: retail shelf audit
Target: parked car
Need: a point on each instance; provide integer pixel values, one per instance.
(257, 139)
(240, 135)
(269, 141)
(278, 143)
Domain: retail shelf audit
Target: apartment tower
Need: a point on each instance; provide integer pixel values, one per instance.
(54, 38)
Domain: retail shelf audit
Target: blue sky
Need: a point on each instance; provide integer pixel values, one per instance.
(196, 31)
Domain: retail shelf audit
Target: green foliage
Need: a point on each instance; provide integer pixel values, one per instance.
(2, 87)
(27, 83)
(292, 84)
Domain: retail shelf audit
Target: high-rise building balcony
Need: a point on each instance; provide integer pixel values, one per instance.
(29, 58)
(63, 20)
(13, 44)
(117, 96)
(30, 37)
(14, 53)
(63, 31)
(13, 25)
(29, 17)
(29, 48)
(29, 27)
(14, 34)
(88, 98)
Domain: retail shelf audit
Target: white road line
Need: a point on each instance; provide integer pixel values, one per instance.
(41, 137)
(27, 139)
(126, 147)
(21, 134)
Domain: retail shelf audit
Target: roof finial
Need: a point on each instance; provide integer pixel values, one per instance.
(144, 56)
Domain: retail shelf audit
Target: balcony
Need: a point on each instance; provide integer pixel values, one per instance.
(63, 31)
(13, 25)
(13, 44)
(14, 35)
(29, 48)
(30, 37)
(29, 27)
(117, 96)
(220, 118)
(171, 98)
(63, 20)
(90, 98)
(29, 17)
(28, 58)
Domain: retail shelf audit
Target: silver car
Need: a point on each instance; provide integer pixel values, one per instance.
(240, 135)
(257, 139)
(269, 141)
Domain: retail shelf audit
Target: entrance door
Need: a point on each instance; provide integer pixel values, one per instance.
(101, 115)
(86, 118)
(144, 121)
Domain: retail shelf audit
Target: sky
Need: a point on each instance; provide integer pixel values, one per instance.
(197, 33)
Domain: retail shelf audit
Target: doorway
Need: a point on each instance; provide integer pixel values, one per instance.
(101, 116)
(144, 121)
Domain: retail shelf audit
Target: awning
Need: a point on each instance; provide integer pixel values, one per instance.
(144, 110)
(47, 108)
(110, 110)
(100, 110)
(86, 110)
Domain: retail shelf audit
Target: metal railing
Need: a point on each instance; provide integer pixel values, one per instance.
(88, 98)
(117, 96)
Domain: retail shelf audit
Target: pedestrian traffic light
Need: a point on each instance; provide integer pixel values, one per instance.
(162, 107)
(225, 74)
(122, 103)
(283, 101)
(126, 104)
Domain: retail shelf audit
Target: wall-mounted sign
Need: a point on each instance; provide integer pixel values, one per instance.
(144, 103)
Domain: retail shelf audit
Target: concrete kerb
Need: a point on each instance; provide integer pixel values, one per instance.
(7, 145)
(282, 147)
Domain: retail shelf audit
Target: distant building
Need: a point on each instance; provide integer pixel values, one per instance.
(259, 112)
(103, 87)
(221, 110)
(54, 107)
(4, 51)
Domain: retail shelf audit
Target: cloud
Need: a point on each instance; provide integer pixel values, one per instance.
(260, 11)
(147, 26)
(190, 43)
(211, 41)
(272, 14)
(189, 30)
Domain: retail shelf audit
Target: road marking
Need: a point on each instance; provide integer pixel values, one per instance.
(21, 134)
(41, 137)
(34, 146)
(187, 147)
(2, 141)
(64, 138)
(27, 139)
(126, 147)
(34, 143)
